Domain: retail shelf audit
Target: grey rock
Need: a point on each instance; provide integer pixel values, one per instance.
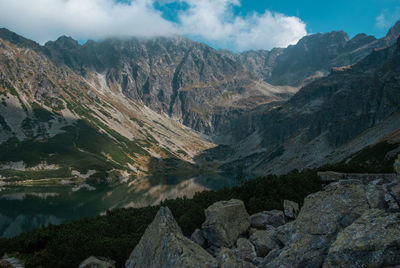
(225, 221)
(322, 216)
(261, 219)
(373, 240)
(285, 232)
(97, 262)
(264, 242)
(227, 259)
(198, 238)
(164, 245)
(291, 209)
(245, 250)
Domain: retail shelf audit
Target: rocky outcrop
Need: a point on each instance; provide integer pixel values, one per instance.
(225, 222)
(321, 217)
(164, 245)
(345, 225)
(372, 240)
(339, 227)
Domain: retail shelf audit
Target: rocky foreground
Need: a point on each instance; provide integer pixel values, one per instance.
(351, 223)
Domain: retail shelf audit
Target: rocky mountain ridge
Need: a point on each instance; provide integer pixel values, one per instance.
(326, 121)
(203, 88)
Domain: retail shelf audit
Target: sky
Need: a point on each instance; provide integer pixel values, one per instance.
(230, 24)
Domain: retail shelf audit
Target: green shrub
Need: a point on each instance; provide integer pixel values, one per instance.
(116, 234)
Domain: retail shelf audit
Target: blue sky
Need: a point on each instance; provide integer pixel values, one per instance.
(234, 24)
(351, 16)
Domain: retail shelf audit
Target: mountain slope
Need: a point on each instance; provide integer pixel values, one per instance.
(314, 56)
(326, 120)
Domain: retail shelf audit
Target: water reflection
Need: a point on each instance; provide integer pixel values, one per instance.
(26, 207)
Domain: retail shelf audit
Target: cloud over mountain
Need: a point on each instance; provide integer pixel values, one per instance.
(213, 21)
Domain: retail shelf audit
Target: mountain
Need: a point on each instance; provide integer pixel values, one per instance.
(186, 80)
(125, 122)
(326, 121)
(314, 56)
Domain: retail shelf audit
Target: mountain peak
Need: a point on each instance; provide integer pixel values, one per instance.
(394, 32)
(64, 42)
(18, 40)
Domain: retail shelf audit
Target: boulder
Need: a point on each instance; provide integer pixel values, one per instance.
(291, 209)
(97, 262)
(245, 250)
(198, 238)
(227, 259)
(284, 232)
(373, 240)
(225, 222)
(261, 219)
(322, 216)
(164, 245)
(264, 241)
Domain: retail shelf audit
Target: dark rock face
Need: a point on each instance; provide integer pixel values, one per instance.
(330, 111)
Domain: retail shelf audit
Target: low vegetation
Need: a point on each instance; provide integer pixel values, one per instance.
(116, 234)
(378, 158)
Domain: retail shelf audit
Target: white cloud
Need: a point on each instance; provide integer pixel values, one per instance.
(210, 20)
(215, 22)
(387, 18)
(48, 19)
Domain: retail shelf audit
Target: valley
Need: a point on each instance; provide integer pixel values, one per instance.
(132, 122)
